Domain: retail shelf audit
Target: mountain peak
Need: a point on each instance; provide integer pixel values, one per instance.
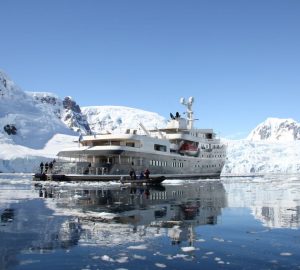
(32, 118)
(276, 129)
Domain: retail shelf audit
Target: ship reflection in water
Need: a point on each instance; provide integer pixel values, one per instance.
(234, 223)
(116, 215)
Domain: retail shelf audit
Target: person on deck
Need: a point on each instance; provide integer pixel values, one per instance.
(132, 174)
(50, 167)
(147, 173)
(42, 167)
(46, 167)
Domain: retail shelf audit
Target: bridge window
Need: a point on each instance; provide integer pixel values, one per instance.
(159, 147)
(130, 144)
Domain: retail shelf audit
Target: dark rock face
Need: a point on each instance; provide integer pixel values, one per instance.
(74, 118)
(67, 110)
(48, 100)
(10, 129)
(70, 104)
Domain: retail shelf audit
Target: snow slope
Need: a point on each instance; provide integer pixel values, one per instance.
(33, 125)
(19, 158)
(272, 147)
(250, 157)
(117, 118)
(276, 129)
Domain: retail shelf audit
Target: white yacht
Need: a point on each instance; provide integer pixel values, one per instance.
(177, 151)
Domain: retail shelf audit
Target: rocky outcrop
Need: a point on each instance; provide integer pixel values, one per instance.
(73, 116)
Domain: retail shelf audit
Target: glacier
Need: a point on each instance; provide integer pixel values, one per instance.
(261, 157)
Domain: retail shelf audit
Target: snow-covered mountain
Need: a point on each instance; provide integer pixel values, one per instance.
(35, 126)
(251, 157)
(276, 129)
(117, 118)
(272, 147)
(67, 110)
(21, 121)
(31, 122)
(31, 118)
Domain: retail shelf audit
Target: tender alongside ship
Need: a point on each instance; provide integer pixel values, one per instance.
(177, 151)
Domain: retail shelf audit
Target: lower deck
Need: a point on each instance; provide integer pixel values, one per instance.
(122, 163)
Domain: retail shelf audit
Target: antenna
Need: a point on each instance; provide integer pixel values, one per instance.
(189, 111)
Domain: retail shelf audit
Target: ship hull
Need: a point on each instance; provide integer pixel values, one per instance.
(121, 162)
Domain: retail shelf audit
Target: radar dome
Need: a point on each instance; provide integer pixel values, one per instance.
(191, 99)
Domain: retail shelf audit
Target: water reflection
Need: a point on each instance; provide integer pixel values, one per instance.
(148, 222)
(274, 200)
(112, 215)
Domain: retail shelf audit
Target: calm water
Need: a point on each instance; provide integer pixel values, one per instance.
(234, 223)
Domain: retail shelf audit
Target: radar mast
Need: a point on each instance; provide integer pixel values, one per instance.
(189, 111)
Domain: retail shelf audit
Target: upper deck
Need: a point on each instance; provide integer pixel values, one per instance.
(178, 137)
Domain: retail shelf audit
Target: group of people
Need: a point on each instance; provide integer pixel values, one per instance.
(143, 175)
(47, 167)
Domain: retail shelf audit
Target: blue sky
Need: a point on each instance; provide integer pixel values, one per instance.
(239, 59)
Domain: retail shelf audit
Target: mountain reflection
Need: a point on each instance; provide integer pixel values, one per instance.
(273, 199)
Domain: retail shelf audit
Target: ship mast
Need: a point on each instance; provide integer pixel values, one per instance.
(189, 111)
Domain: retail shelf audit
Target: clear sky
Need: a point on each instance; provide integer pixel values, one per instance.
(240, 59)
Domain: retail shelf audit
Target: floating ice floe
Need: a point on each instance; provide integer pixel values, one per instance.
(107, 258)
(286, 254)
(188, 249)
(139, 257)
(122, 260)
(139, 247)
(179, 256)
(160, 265)
(218, 239)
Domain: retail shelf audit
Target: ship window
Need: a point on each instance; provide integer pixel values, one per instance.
(208, 136)
(130, 144)
(159, 147)
(115, 142)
